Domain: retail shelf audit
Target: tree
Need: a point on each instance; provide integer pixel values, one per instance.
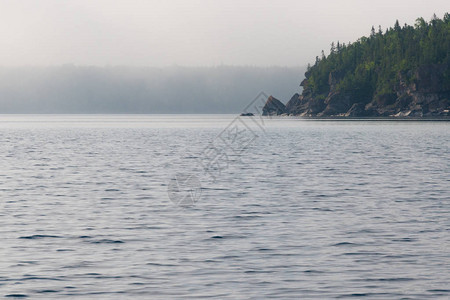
(371, 65)
(446, 18)
(420, 23)
(333, 48)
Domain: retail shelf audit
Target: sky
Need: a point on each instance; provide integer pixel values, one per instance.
(191, 32)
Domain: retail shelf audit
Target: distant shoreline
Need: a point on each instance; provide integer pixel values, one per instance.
(444, 119)
(343, 118)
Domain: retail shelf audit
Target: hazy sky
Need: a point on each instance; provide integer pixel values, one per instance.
(190, 32)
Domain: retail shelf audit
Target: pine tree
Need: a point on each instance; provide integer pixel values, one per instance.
(371, 65)
(333, 48)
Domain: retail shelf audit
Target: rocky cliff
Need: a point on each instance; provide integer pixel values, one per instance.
(424, 92)
(273, 107)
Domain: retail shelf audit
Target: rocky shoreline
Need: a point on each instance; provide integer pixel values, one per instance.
(426, 96)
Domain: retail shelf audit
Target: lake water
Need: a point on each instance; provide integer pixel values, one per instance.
(199, 206)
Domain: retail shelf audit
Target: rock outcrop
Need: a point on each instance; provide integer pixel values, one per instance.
(293, 103)
(273, 107)
(425, 94)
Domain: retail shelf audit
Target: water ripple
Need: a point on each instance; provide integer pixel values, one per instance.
(313, 209)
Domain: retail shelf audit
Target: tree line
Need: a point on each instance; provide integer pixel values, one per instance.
(370, 66)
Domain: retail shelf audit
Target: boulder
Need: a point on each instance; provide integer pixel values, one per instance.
(273, 107)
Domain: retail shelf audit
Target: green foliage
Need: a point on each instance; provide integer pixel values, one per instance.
(370, 66)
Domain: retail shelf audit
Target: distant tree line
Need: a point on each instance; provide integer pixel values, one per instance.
(369, 66)
(85, 89)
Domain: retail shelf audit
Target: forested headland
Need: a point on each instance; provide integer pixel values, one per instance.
(401, 71)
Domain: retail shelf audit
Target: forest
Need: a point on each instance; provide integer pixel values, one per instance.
(369, 67)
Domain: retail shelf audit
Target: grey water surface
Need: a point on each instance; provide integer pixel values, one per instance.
(306, 209)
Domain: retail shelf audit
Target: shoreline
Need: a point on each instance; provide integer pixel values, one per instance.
(335, 118)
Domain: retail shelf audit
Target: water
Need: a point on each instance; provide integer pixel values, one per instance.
(309, 209)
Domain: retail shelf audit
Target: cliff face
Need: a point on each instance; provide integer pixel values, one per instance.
(426, 94)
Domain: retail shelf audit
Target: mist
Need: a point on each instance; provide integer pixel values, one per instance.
(191, 33)
(63, 56)
(75, 89)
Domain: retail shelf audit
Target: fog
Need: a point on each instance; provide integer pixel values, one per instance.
(62, 56)
(191, 32)
(72, 89)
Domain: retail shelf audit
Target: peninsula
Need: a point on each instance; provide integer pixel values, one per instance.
(401, 72)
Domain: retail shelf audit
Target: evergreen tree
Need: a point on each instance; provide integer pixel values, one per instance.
(333, 48)
(370, 66)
